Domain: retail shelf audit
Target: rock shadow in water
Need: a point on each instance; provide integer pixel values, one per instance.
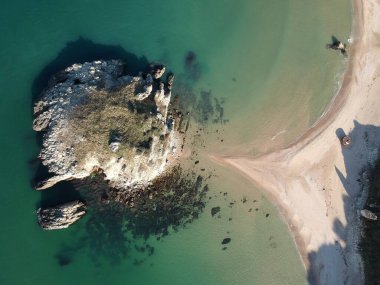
(192, 66)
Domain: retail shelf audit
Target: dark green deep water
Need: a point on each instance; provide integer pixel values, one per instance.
(257, 54)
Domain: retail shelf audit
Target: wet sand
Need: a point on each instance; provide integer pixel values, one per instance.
(317, 184)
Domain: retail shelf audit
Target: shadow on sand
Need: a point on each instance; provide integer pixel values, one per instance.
(360, 154)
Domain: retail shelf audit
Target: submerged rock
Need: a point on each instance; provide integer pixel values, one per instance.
(214, 211)
(61, 216)
(95, 117)
(226, 241)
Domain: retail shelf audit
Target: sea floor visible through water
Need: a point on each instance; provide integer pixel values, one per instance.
(262, 75)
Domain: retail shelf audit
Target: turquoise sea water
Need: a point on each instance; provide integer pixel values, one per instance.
(265, 58)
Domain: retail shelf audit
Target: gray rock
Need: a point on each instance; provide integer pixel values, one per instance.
(42, 121)
(61, 216)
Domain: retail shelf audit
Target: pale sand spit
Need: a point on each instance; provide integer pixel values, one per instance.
(315, 182)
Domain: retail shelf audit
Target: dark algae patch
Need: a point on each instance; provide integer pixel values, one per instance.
(122, 221)
(214, 211)
(226, 241)
(370, 242)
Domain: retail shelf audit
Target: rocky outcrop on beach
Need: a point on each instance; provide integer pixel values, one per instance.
(369, 215)
(60, 217)
(95, 117)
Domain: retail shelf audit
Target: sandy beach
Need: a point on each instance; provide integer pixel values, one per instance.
(316, 183)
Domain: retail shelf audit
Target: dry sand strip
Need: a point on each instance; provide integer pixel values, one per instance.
(315, 182)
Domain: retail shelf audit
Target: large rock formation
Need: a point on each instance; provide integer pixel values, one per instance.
(93, 117)
(62, 216)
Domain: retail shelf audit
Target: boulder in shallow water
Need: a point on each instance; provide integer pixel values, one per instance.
(61, 216)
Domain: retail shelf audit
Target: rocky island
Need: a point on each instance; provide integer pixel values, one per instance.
(95, 118)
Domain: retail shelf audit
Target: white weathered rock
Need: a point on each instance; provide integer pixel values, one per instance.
(162, 101)
(53, 115)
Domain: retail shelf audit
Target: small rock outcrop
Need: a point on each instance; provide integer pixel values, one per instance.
(369, 215)
(94, 116)
(337, 45)
(62, 216)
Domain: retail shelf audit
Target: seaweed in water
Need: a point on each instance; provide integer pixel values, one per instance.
(204, 107)
(122, 220)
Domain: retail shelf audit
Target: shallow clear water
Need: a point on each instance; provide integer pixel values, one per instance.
(266, 58)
